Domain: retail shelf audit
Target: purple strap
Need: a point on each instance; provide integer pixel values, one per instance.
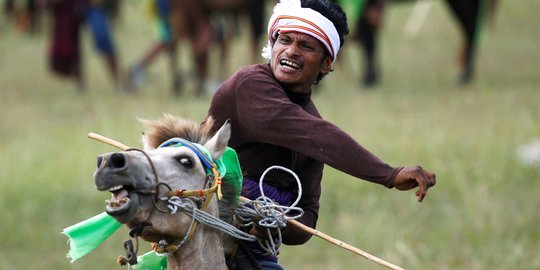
(250, 190)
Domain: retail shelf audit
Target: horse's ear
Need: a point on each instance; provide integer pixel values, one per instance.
(217, 144)
(146, 145)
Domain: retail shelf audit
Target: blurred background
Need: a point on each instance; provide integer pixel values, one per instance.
(68, 68)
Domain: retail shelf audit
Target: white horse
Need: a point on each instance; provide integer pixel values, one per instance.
(140, 180)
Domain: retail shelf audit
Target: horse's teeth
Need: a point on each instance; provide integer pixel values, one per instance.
(115, 188)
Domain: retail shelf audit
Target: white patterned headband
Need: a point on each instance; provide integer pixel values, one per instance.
(290, 16)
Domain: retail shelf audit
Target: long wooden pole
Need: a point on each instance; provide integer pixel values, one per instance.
(338, 243)
(295, 223)
(108, 141)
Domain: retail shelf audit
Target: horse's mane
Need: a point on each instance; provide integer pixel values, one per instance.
(158, 131)
(169, 126)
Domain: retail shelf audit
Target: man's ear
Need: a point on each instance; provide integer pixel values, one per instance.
(326, 66)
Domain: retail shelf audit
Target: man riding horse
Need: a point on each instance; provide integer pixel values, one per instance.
(275, 122)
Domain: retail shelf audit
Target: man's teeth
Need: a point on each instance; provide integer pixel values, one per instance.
(290, 64)
(116, 188)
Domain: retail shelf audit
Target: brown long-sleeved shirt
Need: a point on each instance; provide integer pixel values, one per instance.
(273, 126)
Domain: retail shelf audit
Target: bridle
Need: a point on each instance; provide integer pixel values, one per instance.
(212, 173)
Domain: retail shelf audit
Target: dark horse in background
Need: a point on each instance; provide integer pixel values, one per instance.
(197, 26)
(470, 15)
(192, 21)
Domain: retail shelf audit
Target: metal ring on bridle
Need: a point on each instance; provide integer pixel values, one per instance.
(155, 191)
(156, 198)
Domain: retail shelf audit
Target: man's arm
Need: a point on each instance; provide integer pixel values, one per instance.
(265, 114)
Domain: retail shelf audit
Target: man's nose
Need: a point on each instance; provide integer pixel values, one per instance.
(293, 50)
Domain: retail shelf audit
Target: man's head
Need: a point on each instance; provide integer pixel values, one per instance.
(304, 36)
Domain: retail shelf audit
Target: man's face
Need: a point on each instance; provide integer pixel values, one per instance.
(297, 60)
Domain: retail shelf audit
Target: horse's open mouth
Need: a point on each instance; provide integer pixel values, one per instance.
(119, 203)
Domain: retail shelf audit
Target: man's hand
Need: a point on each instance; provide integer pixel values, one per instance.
(261, 232)
(414, 176)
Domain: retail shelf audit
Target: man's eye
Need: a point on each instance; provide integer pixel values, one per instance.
(285, 40)
(309, 48)
(186, 162)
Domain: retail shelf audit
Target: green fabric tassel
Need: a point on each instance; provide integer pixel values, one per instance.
(233, 174)
(87, 235)
(150, 261)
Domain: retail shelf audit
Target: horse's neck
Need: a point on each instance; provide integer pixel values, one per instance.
(203, 251)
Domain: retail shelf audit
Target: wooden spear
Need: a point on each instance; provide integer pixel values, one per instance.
(293, 222)
(108, 141)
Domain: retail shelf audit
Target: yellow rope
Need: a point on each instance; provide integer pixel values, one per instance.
(216, 187)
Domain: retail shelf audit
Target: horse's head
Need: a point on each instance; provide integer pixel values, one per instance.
(139, 179)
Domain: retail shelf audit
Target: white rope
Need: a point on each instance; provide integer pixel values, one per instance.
(163, 243)
(188, 206)
(272, 215)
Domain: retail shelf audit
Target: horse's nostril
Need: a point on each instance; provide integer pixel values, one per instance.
(118, 160)
(99, 161)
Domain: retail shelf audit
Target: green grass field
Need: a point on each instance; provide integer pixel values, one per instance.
(481, 215)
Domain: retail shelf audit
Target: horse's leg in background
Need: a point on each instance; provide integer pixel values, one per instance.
(174, 68)
(178, 31)
(33, 13)
(492, 8)
(201, 44)
(367, 31)
(224, 26)
(228, 27)
(367, 35)
(9, 6)
(467, 14)
(201, 34)
(257, 16)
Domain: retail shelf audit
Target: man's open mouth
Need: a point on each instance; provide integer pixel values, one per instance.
(289, 64)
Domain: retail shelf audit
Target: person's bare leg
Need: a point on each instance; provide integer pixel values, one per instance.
(135, 76)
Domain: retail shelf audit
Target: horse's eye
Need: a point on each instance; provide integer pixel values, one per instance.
(185, 161)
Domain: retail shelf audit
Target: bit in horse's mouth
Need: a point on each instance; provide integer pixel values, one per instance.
(119, 202)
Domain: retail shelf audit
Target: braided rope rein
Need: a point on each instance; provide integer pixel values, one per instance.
(271, 215)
